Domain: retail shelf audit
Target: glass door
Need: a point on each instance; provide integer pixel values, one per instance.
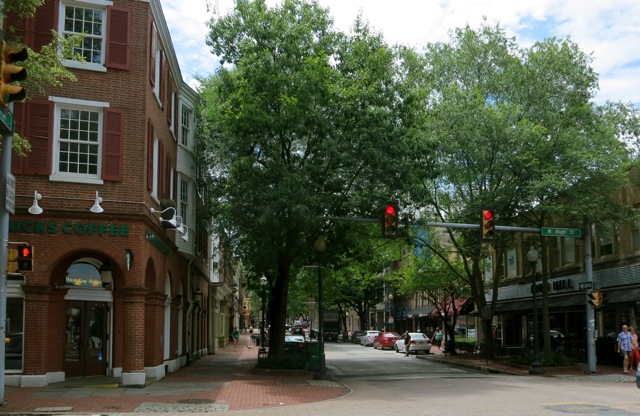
(86, 336)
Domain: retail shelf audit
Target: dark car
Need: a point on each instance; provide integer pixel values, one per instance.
(355, 337)
(297, 330)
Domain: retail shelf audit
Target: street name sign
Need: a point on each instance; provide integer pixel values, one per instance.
(6, 121)
(560, 232)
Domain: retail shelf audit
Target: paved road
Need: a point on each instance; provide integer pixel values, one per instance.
(365, 381)
(384, 382)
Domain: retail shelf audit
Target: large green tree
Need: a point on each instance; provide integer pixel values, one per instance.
(515, 130)
(300, 123)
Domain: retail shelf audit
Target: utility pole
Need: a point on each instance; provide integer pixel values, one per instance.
(591, 323)
(5, 177)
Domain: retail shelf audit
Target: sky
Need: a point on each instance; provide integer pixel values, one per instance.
(607, 29)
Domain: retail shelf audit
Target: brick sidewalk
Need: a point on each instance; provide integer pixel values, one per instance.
(225, 381)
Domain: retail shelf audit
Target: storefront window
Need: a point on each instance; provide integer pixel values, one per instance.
(14, 339)
(83, 275)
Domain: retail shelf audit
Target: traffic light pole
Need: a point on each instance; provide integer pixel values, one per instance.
(5, 171)
(591, 323)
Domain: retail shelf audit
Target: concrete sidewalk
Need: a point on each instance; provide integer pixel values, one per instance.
(221, 382)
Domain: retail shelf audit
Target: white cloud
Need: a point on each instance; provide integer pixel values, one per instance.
(607, 29)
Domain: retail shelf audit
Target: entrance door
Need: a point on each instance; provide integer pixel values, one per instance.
(86, 346)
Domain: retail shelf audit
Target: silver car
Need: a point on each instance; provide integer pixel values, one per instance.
(368, 337)
(419, 343)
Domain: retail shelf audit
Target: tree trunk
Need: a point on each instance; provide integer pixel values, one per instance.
(278, 309)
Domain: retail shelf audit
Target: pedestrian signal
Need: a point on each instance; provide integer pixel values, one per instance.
(25, 258)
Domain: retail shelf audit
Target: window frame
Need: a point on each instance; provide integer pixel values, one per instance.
(186, 141)
(100, 5)
(59, 104)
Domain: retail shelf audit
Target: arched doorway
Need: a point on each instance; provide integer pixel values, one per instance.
(87, 314)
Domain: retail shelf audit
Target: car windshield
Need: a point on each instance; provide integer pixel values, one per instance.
(391, 335)
(293, 338)
(417, 335)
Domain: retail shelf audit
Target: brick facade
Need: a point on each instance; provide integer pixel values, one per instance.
(138, 152)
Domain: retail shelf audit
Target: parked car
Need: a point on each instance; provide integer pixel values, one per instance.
(419, 343)
(385, 340)
(368, 337)
(294, 344)
(297, 330)
(355, 337)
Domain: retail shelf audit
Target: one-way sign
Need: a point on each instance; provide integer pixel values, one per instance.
(585, 285)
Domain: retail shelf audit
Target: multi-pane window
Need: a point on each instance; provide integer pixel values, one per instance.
(89, 23)
(488, 269)
(564, 252)
(605, 242)
(512, 263)
(185, 125)
(635, 236)
(79, 141)
(184, 201)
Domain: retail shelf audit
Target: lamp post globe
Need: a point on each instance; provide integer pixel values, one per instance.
(536, 366)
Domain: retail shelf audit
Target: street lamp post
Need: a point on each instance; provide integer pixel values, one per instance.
(390, 297)
(319, 247)
(536, 366)
(263, 284)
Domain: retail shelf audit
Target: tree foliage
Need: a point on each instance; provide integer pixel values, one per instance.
(515, 130)
(300, 123)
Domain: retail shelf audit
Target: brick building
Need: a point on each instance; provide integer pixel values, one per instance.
(121, 278)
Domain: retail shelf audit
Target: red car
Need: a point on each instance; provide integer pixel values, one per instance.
(385, 340)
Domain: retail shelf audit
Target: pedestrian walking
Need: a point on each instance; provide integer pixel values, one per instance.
(235, 334)
(634, 360)
(624, 347)
(437, 336)
(407, 343)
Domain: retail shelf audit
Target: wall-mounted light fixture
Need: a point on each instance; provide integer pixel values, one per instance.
(128, 258)
(96, 208)
(106, 273)
(197, 297)
(167, 218)
(35, 208)
(170, 219)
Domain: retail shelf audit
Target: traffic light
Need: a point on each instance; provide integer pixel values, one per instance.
(25, 258)
(11, 73)
(12, 260)
(487, 228)
(597, 299)
(390, 221)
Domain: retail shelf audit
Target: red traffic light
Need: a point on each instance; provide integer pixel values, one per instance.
(390, 221)
(487, 228)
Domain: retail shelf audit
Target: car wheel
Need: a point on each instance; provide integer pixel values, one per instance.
(397, 350)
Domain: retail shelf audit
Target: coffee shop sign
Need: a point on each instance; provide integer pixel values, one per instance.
(77, 228)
